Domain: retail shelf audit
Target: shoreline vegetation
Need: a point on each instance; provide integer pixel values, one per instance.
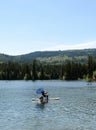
(69, 70)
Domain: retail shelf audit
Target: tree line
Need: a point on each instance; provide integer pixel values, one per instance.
(38, 71)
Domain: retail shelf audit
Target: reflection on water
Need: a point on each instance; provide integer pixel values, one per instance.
(76, 109)
(40, 106)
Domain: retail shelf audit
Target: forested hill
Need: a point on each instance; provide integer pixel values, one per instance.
(51, 56)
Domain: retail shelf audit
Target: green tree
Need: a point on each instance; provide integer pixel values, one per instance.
(34, 71)
(90, 66)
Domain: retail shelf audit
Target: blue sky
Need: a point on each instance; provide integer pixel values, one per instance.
(37, 25)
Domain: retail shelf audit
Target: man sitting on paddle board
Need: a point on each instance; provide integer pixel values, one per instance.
(44, 97)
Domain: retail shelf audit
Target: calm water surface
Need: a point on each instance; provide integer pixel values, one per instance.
(76, 109)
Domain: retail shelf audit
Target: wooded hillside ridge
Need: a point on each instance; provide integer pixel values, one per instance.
(68, 70)
(52, 57)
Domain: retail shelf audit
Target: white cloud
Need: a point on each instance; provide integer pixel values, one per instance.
(85, 45)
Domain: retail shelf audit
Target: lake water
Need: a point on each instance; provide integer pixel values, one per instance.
(76, 109)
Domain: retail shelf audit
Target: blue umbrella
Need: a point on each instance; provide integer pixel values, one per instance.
(39, 90)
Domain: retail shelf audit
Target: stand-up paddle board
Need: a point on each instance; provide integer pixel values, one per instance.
(37, 99)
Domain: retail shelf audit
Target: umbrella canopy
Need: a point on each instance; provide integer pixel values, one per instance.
(39, 90)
